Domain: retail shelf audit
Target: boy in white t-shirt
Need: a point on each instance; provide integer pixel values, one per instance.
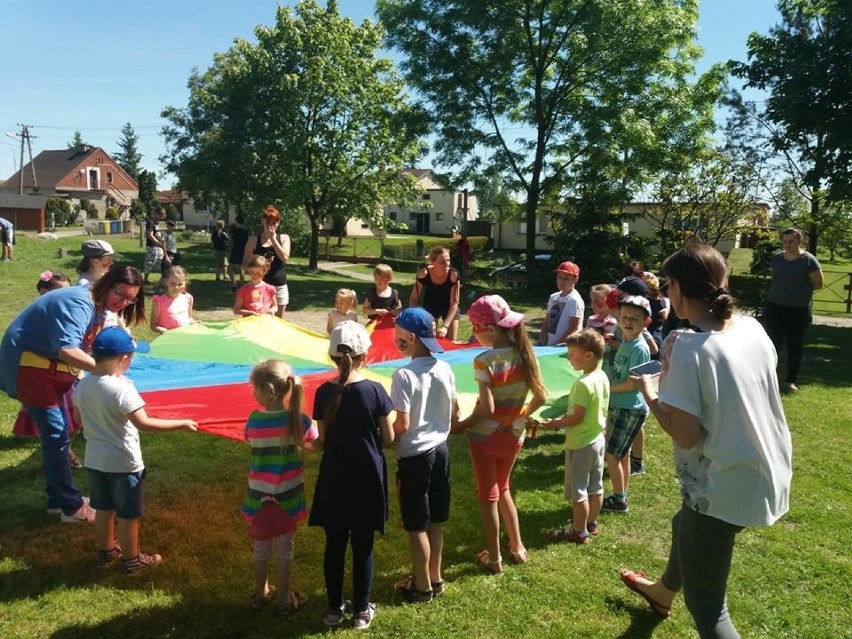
(423, 394)
(565, 308)
(111, 410)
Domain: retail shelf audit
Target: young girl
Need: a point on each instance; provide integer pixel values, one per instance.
(275, 500)
(98, 256)
(256, 297)
(601, 320)
(173, 309)
(351, 496)
(24, 425)
(382, 300)
(659, 309)
(345, 303)
(506, 374)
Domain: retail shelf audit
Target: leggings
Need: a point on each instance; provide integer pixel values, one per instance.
(699, 563)
(362, 568)
(788, 322)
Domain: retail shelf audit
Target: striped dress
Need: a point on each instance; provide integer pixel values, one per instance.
(501, 368)
(276, 471)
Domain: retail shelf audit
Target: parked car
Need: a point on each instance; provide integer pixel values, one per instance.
(516, 272)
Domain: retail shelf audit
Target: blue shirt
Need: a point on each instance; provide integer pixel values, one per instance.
(62, 318)
(631, 353)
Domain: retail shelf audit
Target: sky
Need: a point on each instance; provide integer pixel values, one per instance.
(93, 68)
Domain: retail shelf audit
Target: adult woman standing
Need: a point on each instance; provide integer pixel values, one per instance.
(275, 247)
(437, 290)
(720, 403)
(41, 355)
(796, 274)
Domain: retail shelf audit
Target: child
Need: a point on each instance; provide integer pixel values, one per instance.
(98, 257)
(239, 239)
(173, 309)
(601, 320)
(627, 408)
(659, 310)
(423, 394)
(50, 280)
(565, 308)
(351, 495)
(111, 411)
(220, 241)
(345, 303)
(275, 501)
(171, 258)
(256, 297)
(382, 300)
(506, 373)
(584, 438)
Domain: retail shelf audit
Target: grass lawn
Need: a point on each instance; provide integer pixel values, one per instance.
(788, 581)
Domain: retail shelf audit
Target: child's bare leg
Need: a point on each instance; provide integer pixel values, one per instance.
(580, 515)
(595, 503)
(509, 514)
(491, 528)
(624, 462)
(638, 446)
(128, 537)
(260, 561)
(284, 552)
(436, 551)
(105, 529)
(613, 465)
(418, 544)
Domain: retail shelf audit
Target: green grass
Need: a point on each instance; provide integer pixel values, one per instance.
(788, 581)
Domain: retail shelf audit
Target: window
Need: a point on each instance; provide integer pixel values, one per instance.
(392, 215)
(413, 216)
(93, 179)
(427, 196)
(439, 217)
(109, 177)
(364, 225)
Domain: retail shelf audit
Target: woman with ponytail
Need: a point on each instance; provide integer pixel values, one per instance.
(719, 401)
(351, 496)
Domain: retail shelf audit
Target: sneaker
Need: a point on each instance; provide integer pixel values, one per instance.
(593, 528)
(84, 513)
(139, 562)
(612, 504)
(334, 616)
(792, 388)
(363, 619)
(570, 534)
(58, 510)
(637, 466)
(107, 557)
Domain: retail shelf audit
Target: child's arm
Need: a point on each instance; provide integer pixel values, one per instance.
(142, 421)
(386, 430)
(397, 306)
(191, 307)
(417, 289)
(155, 318)
(329, 324)
(273, 307)
(367, 309)
(401, 423)
(575, 418)
(238, 307)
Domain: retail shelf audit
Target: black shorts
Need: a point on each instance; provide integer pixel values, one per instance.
(423, 483)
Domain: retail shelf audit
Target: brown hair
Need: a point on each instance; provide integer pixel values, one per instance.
(794, 231)
(701, 273)
(258, 260)
(274, 380)
(49, 281)
(588, 340)
(345, 363)
(132, 314)
(526, 353)
(383, 270)
(633, 267)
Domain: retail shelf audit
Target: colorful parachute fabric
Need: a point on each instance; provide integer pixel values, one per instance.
(201, 371)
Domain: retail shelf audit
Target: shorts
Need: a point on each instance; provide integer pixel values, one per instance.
(8, 236)
(584, 471)
(221, 257)
(423, 483)
(624, 425)
(121, 492)
(270, 522)
(282, 295)
(492, 460)
(153, 258)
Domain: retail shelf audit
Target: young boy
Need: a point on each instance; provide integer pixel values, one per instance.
(382, 300)
(220, 241)
(423, 394)
(112, 413)
(627, 407)
(565, 308)
(171, 257)
(584, 439)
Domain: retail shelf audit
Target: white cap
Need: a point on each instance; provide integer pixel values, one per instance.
(349, 337)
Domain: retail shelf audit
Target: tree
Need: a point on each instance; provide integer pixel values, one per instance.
(307, 116)
(77, 142)
(804, 65)
(538, 89)
(129, 157)
(147, 181)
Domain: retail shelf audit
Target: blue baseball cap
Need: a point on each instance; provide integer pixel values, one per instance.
(419, 321)
(117, 341)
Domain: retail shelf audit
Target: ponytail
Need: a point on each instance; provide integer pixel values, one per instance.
(345, 364)
(519, 337)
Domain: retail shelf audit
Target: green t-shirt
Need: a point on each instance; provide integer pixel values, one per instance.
(592, 393)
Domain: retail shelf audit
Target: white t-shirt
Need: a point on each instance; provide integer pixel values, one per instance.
(740, 471)
(560, 309)
(112, 441)
(425, 389)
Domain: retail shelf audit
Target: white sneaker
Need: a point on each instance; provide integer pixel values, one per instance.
(84, 514)
(58, 511)
(363, 619)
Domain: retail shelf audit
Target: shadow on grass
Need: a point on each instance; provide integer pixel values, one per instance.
(826, 357)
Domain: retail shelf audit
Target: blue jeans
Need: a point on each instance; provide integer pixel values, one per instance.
(61, 490)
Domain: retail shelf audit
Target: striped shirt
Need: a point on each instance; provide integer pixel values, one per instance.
(502, 370)
(276, 471)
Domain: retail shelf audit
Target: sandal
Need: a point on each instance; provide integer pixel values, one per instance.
(519, 556)
(259, 600)
(438, 588)
(73, 460)
(629, 579)
(409, 592)
(294, 602)
(493, 567)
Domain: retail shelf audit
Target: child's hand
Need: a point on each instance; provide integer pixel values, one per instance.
(189, 425)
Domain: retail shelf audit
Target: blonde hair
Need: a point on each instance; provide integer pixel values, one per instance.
(436, 252)
(599, 291)
(275, 381)
(348, 295)
(258, 261)
(383, 270)
(220, 224)
(588, 340)
(177, 271)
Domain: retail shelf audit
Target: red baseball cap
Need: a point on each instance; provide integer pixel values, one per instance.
(568, 267)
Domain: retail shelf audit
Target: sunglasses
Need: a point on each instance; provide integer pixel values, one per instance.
(123, 297)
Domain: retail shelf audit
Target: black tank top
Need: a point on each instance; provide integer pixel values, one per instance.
(277, 274)
(435, 298)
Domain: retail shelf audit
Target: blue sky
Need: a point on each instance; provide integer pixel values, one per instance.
(94, 67)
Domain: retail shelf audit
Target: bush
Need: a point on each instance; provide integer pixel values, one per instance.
(761, 256)
(172, 214)
(112, 213)
(751, 293)
(416, 251)
(300, 242)
(61, 211)
(90, 209)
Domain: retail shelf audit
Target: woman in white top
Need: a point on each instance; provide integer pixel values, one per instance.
(720, 403)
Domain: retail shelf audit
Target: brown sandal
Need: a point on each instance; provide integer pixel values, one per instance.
(493, 567)
(293, 602)
(629, 579)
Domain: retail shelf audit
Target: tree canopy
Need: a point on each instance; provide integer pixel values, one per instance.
(77, 141)
(307, 116)
(128, 156)
(564, 98)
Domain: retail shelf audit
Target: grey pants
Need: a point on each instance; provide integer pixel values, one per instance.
(699, 563)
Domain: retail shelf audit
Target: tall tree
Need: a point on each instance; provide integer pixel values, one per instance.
(147, 181)
(538, 89)
(128, 156)
(77, 142)
(804, 64)
(306, 116)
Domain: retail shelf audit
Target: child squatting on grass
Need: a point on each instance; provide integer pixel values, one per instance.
(275, 499)
(112, 413)
(584, 438)
(506, 374)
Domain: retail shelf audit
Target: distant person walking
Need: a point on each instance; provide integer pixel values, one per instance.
(154, 247)
(7, 237)
(796, 274)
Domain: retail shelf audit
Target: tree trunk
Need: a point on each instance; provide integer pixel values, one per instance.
(314, 252)
(813, 228)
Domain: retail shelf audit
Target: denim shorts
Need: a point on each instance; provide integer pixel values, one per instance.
(121, 492)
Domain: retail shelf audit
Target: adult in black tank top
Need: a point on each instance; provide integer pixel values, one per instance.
(437, 290)
(275, 247)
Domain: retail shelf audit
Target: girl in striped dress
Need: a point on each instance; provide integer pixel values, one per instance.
(275, 499)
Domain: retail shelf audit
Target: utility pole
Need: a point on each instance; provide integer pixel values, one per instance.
(25, 137)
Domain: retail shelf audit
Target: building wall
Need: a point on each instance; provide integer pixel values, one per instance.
(24, 219)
